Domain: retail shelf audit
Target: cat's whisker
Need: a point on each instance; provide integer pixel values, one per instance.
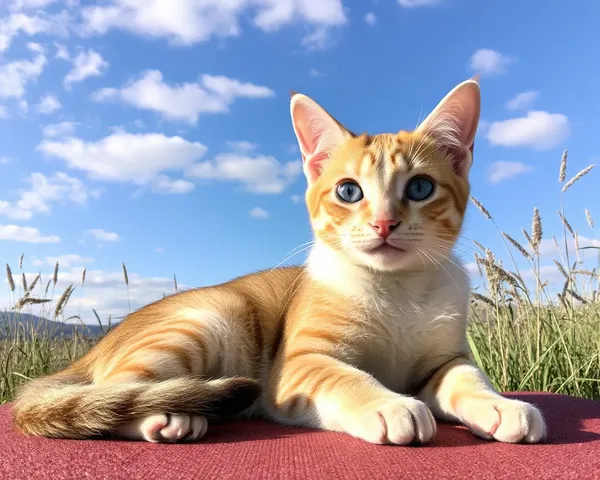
(421, 257)
(451, 261)
(437, 262)
(302, 248)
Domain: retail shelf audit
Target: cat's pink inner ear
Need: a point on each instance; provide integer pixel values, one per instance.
(453, 124)
(317, 133)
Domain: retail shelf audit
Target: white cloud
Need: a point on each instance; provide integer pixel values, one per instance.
(229, 88)
(499, 171)
(314, 73)
(48, 105)
(547, 273)
(259, 174)
(482, 126)
(14, 76)
(276, 13)
(13, 212)
(103, 235)
(490, 62)
(4, 160)
(472, 268)
(104, 291)
(370, 18)
(243, 146)
(418, 3)
(522, 101)
(125, 157)
(296, 198)
(36, 47)
(64, 261)
(320, 39)
(538, 129)
(58, 187)
(258, 212)
(23, 105)
(31, 25)
(555, 248)
(4, 112)
(62, 52)
(43, 192)
(85, 65)
(184, 101)
(17, 233)
(16, 5)
(160, 250)
(186, 22)
(164, 184)
(61, 129)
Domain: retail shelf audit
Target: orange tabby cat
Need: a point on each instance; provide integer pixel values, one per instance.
(368, 338)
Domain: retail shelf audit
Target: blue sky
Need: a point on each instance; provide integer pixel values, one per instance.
(157, 132)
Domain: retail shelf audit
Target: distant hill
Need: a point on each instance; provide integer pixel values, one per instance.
(9, 323)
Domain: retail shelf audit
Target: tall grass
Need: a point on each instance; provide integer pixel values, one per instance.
(524, 335)
(529, 337)
(30, 349)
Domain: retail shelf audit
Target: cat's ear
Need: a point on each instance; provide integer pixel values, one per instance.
(453, 124)
(318, 133)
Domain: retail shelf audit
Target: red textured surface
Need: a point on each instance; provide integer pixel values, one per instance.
(260, 450)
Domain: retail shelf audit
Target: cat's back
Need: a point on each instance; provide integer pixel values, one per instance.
(268, 290)
(264, 295)
(268, 286)
(260, 297)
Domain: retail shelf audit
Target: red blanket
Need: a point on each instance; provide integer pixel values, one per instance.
(260, 450)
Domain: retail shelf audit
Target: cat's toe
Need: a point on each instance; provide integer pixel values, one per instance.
(505, 420)
(150, 427)
(176, 429)
(198, 427)
(172, 428)
(519, 422)
(165, 428)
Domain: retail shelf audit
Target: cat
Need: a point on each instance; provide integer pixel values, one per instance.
(367, 337)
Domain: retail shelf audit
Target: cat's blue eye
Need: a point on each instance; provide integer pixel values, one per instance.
(419, 189)
(349, 192)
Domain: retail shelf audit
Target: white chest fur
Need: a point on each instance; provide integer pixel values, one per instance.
(412, 321)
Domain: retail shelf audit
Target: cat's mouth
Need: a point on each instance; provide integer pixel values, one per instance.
(385, 248)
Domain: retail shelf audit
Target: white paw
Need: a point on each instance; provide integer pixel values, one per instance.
(165, 428)
(505, 420)
(397, 420)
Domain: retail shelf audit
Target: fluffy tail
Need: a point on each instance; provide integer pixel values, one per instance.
(62, 406)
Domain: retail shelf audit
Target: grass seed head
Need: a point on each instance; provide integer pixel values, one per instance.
(536, 230)
(481, 208)
(584, 172)
(588, 217)
(563, 167)
(9, 278)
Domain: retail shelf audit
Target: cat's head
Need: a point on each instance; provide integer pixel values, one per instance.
(389, 201)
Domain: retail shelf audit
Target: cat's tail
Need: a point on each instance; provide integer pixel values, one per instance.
(64, 406)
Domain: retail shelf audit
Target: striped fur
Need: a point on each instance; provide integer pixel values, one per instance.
(366, 338)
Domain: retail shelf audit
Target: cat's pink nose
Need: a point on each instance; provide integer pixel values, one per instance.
(384, 228)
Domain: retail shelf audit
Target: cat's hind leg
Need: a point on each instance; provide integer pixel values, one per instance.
(196, 342)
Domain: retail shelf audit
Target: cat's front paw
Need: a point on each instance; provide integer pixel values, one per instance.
(503, 419)
(394, 420)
